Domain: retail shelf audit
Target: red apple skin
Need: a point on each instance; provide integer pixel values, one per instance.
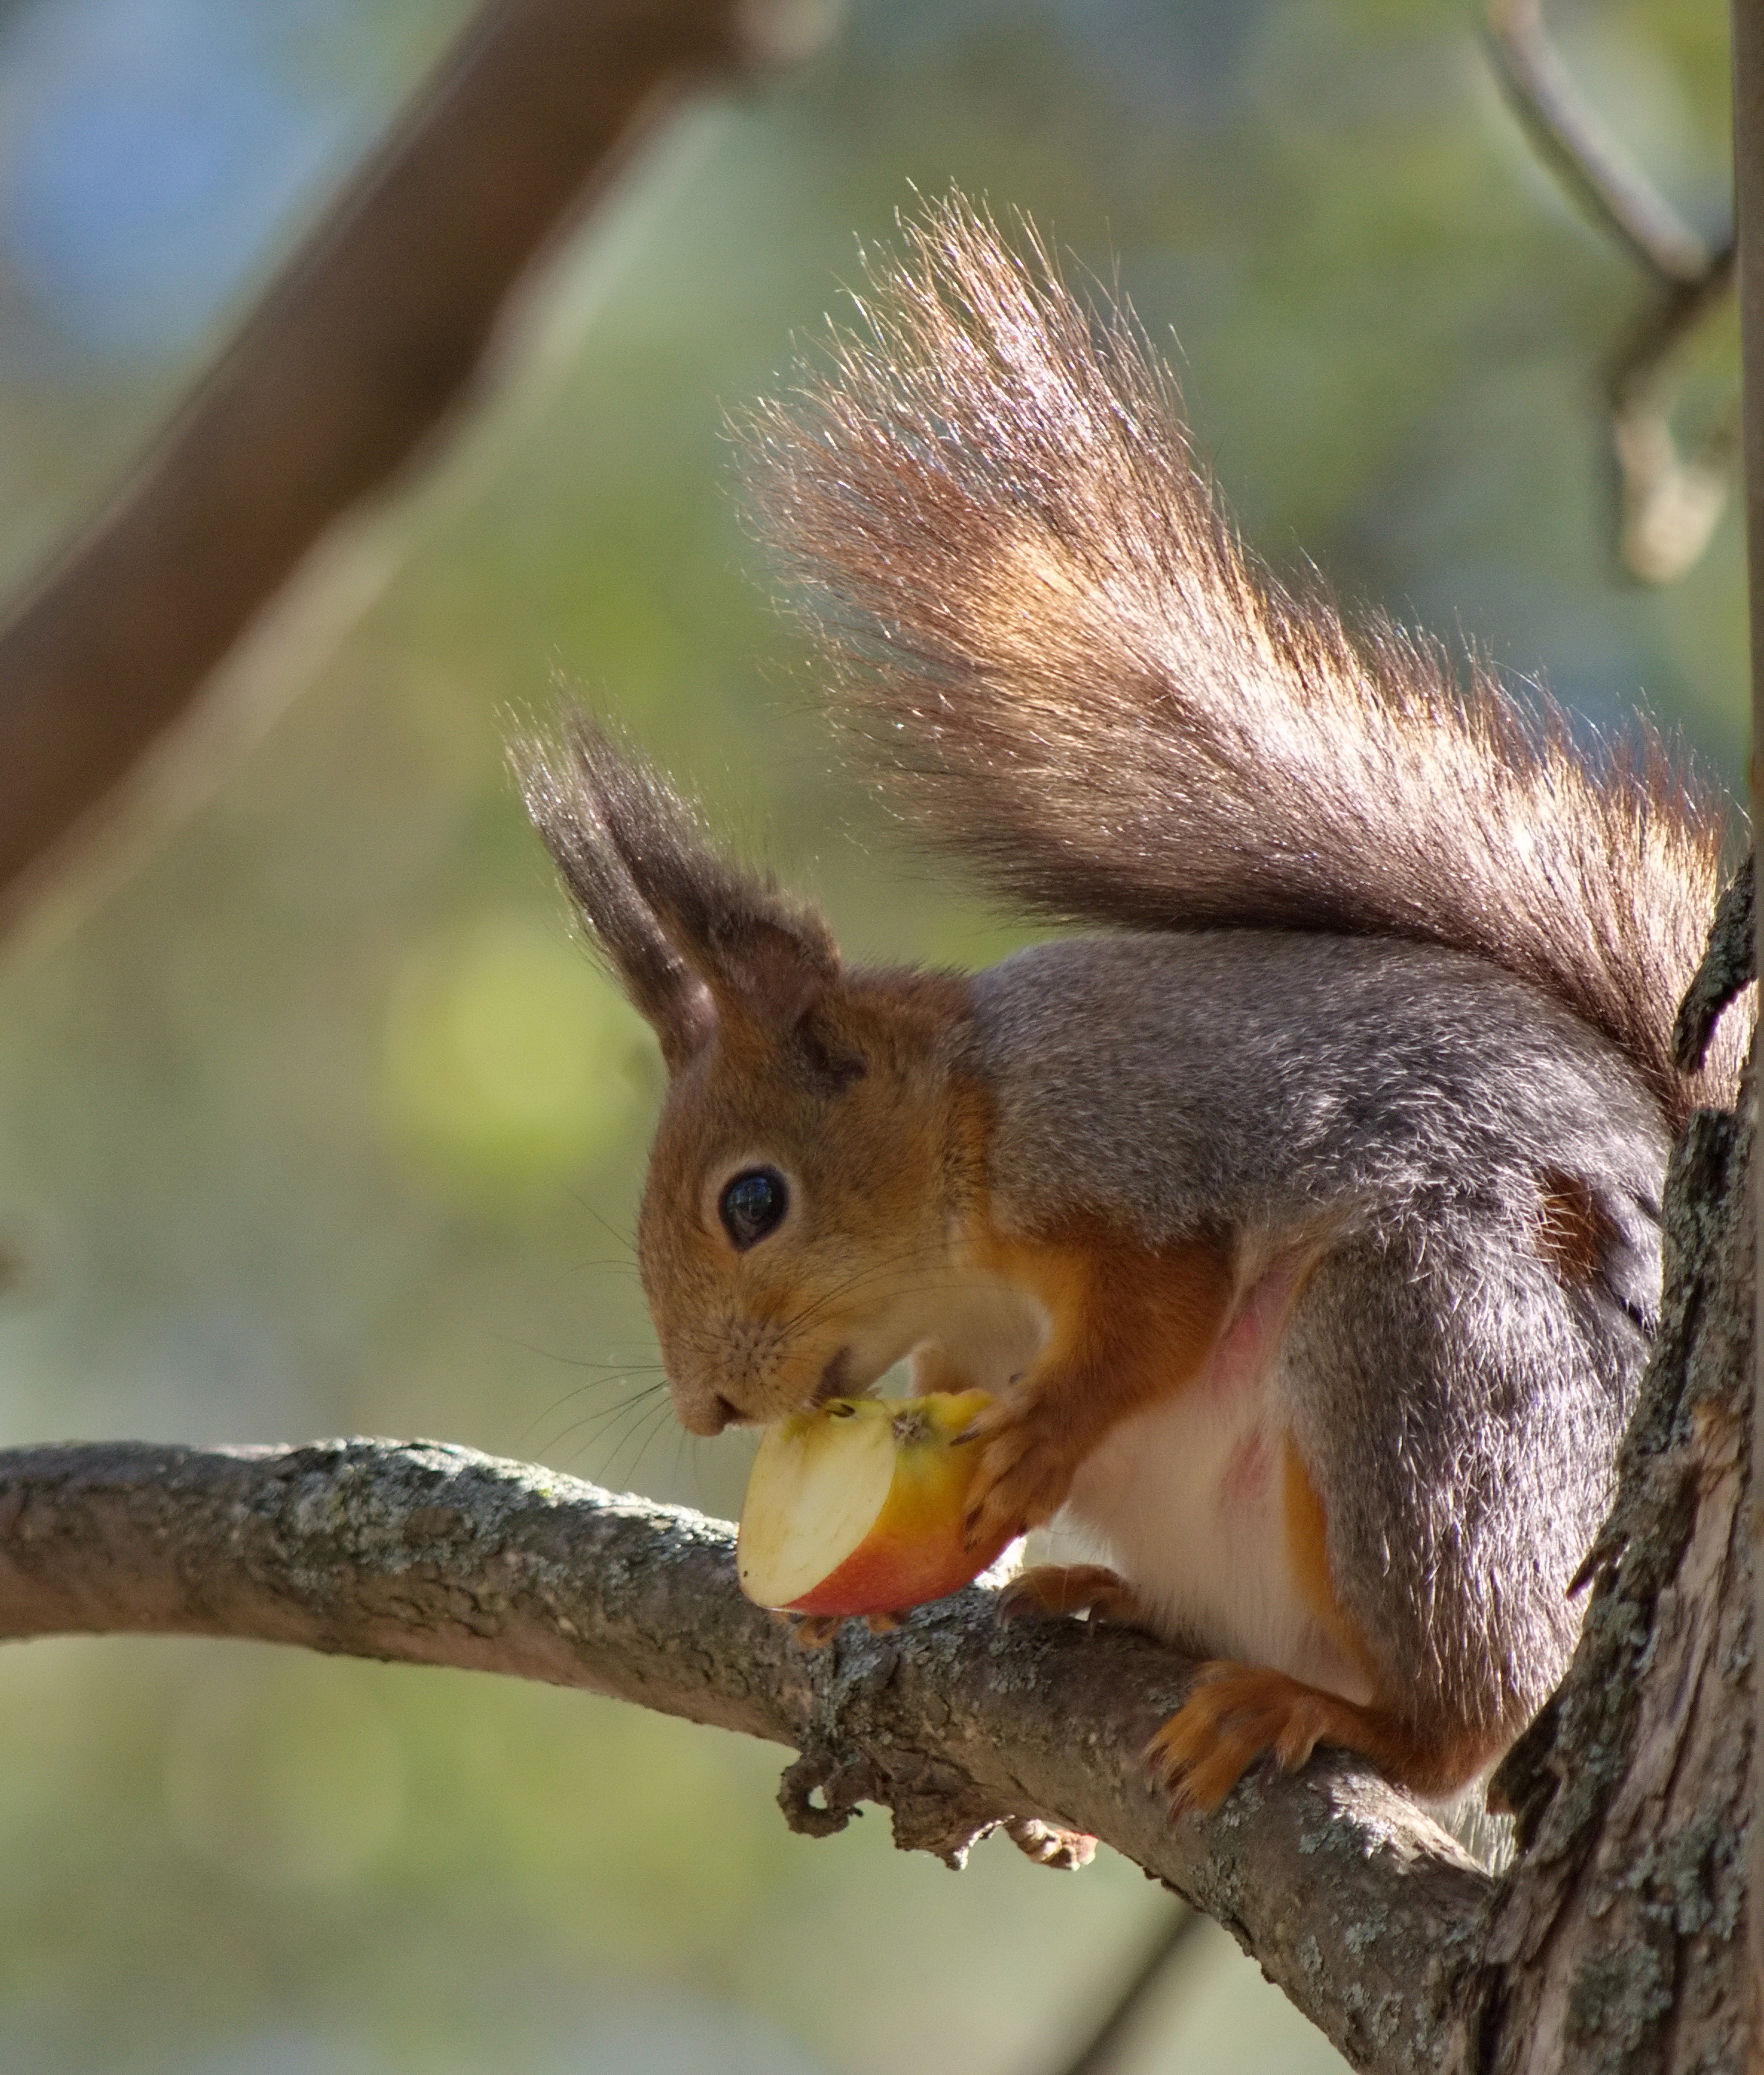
(915, 1551)
(887, 1574)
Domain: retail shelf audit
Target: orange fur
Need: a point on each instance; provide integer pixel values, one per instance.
(1236, 1714)
(1127, 1323)
(1071, 1588)
(1308, 1550)
(1575, 1233)
(880, 1173)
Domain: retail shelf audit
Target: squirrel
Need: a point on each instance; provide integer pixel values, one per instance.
(1303, 1221)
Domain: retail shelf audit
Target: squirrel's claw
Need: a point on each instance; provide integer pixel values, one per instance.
(814, 1631)
(1063, 1850)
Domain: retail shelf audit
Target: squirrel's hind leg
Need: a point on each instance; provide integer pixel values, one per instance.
(1238, 1713)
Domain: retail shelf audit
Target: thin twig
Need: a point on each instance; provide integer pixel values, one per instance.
(1101, 2051)
(1586, 158)
(1668, 503)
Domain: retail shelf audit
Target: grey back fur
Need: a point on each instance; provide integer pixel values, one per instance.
(1403, 1108)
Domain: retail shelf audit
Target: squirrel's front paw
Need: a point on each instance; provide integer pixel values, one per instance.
(1024, 1473)
(1066, 1589)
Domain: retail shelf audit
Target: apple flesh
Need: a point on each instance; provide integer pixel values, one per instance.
(859, 1507)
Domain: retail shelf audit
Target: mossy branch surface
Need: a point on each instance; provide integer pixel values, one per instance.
(1351, 1899)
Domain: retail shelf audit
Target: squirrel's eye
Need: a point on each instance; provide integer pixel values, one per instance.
(753, 1204)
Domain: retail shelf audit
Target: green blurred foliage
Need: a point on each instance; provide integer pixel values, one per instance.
(509, 1062)
(317, 1121)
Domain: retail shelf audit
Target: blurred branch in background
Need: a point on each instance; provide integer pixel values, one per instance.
(1108, 2047)
(1669, 502)
(360, 351)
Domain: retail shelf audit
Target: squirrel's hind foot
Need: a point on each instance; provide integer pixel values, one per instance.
(1072, 1588)
(1238, 1713)
(1063, 1850)
(1235, 1715)
(816, 1631)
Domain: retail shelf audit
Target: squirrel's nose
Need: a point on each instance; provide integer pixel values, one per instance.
(707, 1416)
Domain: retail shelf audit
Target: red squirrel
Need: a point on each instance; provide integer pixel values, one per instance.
(1304, 1223)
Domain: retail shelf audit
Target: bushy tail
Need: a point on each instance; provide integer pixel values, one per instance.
(1077, 678)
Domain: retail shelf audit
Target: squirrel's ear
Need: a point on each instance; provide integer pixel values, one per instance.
(695, 941)
(565, 781)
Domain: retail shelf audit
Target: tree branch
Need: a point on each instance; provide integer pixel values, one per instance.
(1669, 503)
(1748, 29)
(1616, 1942)
(368, 339)
(1357, 1904)
(1587, 159)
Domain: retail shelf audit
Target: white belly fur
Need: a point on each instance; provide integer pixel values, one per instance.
(1187, 1501)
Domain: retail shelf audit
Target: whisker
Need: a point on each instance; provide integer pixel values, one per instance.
(564, 1360)
(613, 1375)
(630, 1416)
(590, 1423)
(656, 1428)
(642, 1430)
(627, 1239)
(599, 1263)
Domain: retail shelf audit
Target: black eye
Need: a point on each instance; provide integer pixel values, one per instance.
(753, 1204)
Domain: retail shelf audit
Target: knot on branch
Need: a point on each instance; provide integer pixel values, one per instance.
(842, 1783)
(935, 1806)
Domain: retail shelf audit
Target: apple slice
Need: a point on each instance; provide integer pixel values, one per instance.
(857, 1507)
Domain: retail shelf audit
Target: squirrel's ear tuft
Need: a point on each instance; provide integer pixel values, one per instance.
(695, 940)
(567, 780)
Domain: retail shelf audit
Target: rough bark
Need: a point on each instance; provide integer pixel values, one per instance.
(1619, 1940)
(359, 351)
(1748, 26)
(1355, 1903)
